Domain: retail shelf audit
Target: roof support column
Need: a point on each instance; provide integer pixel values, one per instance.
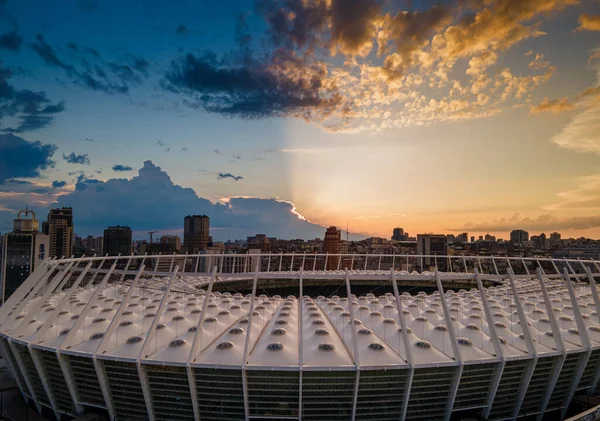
(354, 343)
(21, 365)
(528, 342)
(40, 369)
(247, 348)
(300, 339)
(38, 276)
(495, 266)
(497, 347)
(69, 380)
(454, 344)
(56, 284)
(194, 349)
(585, 341)
(558, 343)
(407, 348)
(569, 264)
(101, 373)
(525, 266)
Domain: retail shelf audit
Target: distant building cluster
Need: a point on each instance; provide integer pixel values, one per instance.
(26, 246)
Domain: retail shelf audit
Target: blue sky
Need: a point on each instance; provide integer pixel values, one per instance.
(476, 116)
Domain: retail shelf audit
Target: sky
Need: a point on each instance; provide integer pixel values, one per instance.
(285, 116)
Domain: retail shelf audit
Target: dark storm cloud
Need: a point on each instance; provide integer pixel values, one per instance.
(283, 85)
(72, 158)
(223, 176)
(58, 184)
(11, 40)
(32, 109)
(120, 167)
(21, 158)
(134, 202)
(94, 73)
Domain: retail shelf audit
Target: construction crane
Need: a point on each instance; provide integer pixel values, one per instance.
(151, 234)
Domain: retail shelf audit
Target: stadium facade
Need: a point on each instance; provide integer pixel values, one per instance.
(155, 338)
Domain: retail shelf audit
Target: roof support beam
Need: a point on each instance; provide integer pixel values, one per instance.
(497, 346)
(104, 387)
(194, 349)
(407, 348)
(558, 343)
(528, 342)
(354, 343)
(61, 305)
(300, 340)
(41, 373)
(69, 380)
(152, 331)
(585, 341)
(60, 278)
(454, 344)
(21, 364)
(38, 276)
(69, 340)
(247, 347)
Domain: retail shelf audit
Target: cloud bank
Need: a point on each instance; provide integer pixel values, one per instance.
(150, 201)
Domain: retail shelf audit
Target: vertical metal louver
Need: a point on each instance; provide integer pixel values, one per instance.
(565, 378)
(381, 394)
(538, 385)
(474, 386)
(126, 390)
(429, 393)
(504, 400)
(327, 395)
(14, 366)
(220, 394)
(32, 374)
(56, 381)
(273, 393)
(170, 391)
(86, 381)
(587, 378)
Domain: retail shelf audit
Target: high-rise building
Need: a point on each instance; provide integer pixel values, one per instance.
(22, 251)
(118, 240)
(462, 238)
(196, 233)
(519, 236)
(170, 244)
(399, 235)
(555, 239)
(450, 238)
(430, 245)
(59, 226)
(331, 245)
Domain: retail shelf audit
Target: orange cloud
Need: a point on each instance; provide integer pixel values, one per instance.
(554, 106)
(589, 22)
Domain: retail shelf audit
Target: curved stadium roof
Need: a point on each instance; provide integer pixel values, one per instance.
(542, 331)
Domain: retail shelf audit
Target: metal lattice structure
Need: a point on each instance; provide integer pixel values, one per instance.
(168, 338)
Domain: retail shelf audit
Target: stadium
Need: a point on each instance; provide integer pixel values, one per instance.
(279, 337)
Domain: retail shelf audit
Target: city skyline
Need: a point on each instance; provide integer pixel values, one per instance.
(444, 118)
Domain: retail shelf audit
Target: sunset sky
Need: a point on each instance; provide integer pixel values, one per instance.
(448, 116)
